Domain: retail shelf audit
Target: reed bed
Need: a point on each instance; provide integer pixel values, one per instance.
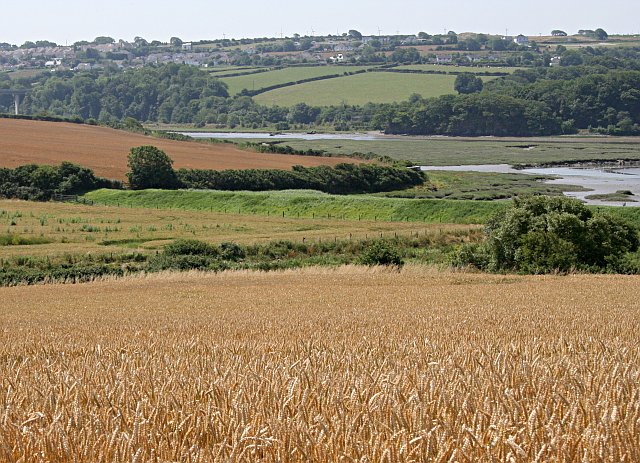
(350, 364)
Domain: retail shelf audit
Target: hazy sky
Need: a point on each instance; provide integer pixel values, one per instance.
(65, 21)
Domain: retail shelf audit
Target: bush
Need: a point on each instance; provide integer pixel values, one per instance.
(185, 247)
(381, 253)
(549, 234)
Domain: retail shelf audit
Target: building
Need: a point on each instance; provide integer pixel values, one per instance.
(521, 40)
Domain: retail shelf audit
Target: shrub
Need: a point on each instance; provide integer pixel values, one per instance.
(546, 234)
(381, 253)
(186, 247)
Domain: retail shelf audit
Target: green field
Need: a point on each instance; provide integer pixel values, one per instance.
(281, 76)
(374, 87)
(452, 151)
(452, 68)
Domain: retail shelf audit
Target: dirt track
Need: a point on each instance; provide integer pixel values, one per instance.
(105, 150)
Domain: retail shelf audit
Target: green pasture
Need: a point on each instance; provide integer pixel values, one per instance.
(281, 76)
(374, 87)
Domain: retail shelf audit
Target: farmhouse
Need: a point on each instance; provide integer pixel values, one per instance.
(521, 40)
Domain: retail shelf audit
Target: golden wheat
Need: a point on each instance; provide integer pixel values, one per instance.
(322, 365)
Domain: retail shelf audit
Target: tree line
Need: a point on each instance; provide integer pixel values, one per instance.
(41, 183)
(150, 167)
(592, 89)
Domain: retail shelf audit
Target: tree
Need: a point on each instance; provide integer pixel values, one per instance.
(354, 34)
(103, 40)
(468, 83)
(175, 42)
(150, 168)
(558, 33)
(601, 34)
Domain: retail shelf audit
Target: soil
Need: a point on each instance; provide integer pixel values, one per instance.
(105, 150)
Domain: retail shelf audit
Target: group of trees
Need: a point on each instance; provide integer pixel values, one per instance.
(41, 183)
(152, 168)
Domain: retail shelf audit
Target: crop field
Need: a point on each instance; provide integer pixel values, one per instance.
(440, 151)
(350, 364)
(450, 68)
(58, 229)
(374, 87)
(280, 76)
(105, 150)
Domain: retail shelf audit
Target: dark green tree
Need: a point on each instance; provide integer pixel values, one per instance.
(468, 83)
(150, 168)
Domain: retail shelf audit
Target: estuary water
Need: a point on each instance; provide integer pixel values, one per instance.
(598, 181)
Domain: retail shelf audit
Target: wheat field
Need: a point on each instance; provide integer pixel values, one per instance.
(342, 365)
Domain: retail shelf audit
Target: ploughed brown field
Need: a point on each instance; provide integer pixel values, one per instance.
(105, 150)
(322, 365)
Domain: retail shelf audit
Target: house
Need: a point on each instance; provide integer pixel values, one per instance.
(53, 63)
(555, 61)
(339, 58)
(188, 46)
(521, 40)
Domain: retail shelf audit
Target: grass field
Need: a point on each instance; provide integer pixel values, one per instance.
(58, 229)
(105, 150)
(449, 68)
(322, 365)
(374, 87)
(280, 76)
(460, 151)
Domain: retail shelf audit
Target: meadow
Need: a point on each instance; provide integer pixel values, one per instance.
(146, 221)
(281, 76)
(441, 151)
(371, 87)
(316, 365)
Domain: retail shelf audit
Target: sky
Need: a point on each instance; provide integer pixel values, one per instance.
(68, 21)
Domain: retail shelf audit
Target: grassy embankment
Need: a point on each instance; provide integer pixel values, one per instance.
(306, 204)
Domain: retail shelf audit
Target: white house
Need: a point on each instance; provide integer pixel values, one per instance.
(187, 46)
(521, 40)
(55, 62)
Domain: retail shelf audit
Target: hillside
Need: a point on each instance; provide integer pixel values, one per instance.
(105, 150)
